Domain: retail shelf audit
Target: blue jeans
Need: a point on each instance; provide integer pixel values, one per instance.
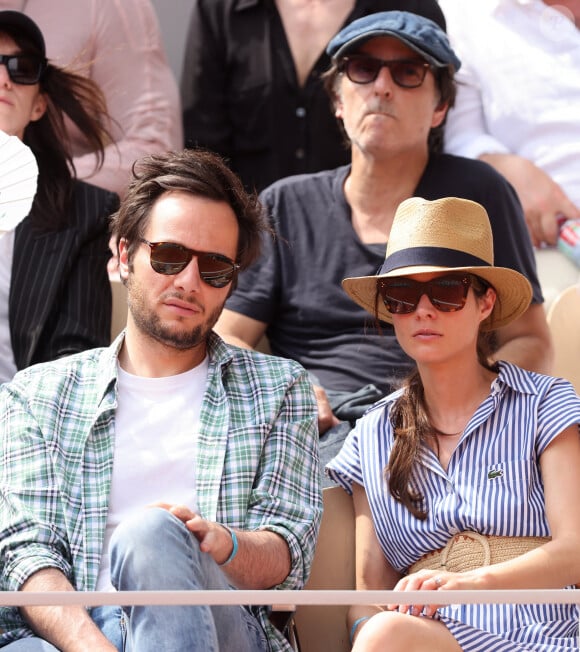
(155, 551)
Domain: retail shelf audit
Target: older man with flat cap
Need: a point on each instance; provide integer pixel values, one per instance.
(391, 83)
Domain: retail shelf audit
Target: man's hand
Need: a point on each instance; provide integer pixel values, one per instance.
(543, 200)
(213, 538)
(326, 418)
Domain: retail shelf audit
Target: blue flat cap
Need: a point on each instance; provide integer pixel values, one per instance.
(417, 32)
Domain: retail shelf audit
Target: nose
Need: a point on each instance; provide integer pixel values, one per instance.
(424, 306)
(384, 82)
(4, 76)
(189, 279)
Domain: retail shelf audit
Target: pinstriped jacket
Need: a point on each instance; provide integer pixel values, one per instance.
(60, 297)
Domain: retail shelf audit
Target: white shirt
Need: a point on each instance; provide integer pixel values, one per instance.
(7, 363)
(520, 85)
(156, 428)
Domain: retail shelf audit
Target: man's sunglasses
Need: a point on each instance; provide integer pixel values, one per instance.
(170, 258)
(23, 68)
(364, 69)
(447, 293)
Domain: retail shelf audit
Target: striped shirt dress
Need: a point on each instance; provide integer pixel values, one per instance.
(492, 486)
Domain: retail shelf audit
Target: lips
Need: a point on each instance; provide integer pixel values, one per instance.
(426, 332)
(182, 305)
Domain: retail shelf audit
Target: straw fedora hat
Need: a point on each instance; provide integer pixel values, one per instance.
(439, 236)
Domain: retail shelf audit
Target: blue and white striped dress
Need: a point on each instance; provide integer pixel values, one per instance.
(492, 486)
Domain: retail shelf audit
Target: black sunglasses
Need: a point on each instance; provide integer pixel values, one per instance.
(170, 258)
(364, 69)
(24, 69)
(447, 293)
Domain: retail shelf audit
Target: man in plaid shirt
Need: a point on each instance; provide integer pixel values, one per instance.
(170, 460)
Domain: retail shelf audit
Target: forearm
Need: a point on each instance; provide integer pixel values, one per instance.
(529, 352)
(69, 628)
(527, 341)
(262, 561)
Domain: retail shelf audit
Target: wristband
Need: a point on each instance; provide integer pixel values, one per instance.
(234, 551)
(356, 623)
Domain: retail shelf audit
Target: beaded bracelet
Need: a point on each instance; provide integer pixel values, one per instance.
(234, 551)
(356, 623)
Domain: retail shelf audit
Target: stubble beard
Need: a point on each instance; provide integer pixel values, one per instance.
(151, 325)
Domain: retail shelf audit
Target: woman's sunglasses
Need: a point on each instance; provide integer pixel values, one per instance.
(170, 258)
(364, 69)
(447, 293)
(24, 69)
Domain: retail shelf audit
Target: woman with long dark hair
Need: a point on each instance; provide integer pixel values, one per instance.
(54, 291)
(467, 477)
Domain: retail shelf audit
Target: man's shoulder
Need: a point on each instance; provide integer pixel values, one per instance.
(448, 175)
(300, 184)
(49, 378)
(464, 168)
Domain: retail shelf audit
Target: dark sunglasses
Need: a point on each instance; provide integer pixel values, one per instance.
(447, 293)
(24, 69)
(170, 258)
(363, 69)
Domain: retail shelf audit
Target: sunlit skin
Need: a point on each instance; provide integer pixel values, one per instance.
(433, 338)
(444, 347)
(20, 104)
(171, 316)
(382, 118)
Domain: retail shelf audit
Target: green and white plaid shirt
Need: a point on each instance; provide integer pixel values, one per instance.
(256, 466)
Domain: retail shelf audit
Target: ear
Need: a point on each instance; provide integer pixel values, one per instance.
(38, 107)
(439, 114)
(123, 260)
(486, 304)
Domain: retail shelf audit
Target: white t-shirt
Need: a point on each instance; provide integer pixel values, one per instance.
(7, 363)
(156, 428)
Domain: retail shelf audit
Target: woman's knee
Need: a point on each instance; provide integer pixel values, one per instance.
(398, 632)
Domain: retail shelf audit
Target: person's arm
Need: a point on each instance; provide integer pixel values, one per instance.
(239, 329)
(261, 559)
(130, 66)
(543, 200)
(527, 341)
(69, 628)
(554, 564)
(373, 572)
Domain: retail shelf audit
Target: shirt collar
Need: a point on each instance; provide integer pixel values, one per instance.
(219, 353)
(515, 378)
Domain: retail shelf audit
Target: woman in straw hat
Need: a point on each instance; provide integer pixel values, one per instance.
(467, 477)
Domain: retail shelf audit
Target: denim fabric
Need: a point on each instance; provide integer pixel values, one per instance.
(155, 551)
(31, 644)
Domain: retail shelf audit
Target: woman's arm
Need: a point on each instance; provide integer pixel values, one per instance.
(373, 572)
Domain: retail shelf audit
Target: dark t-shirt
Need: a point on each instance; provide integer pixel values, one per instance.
(243, 99)
(296, 285)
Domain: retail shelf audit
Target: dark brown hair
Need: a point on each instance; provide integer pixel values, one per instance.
(82, 101)
(446, 86)
(197, 172)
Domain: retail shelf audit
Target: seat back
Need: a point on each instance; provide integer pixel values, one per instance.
(564, 322)
(323, 628)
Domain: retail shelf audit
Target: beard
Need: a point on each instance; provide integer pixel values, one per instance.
(151, 325)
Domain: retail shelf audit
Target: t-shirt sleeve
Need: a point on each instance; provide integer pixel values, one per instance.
(257, 292)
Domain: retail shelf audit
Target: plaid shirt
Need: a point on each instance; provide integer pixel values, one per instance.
(256, 464)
